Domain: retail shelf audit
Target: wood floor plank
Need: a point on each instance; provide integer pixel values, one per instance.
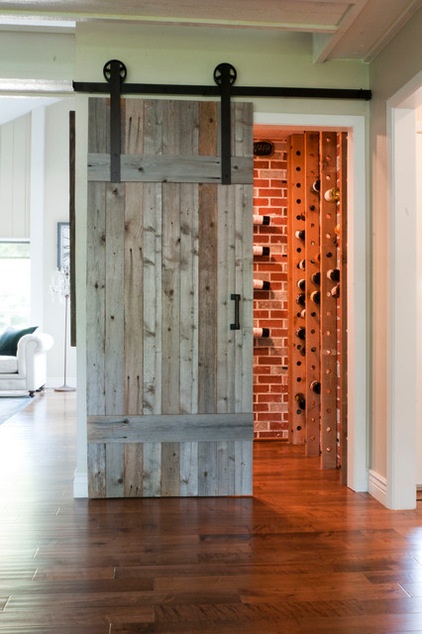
(304, 555)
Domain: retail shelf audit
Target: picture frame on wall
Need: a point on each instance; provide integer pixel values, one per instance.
(63, 245)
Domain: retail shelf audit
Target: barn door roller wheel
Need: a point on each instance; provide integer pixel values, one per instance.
(224, 72)
(112, 66)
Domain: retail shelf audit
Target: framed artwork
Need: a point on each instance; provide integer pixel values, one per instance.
(63, 245)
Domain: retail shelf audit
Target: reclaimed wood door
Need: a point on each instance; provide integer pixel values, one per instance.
(169, 381)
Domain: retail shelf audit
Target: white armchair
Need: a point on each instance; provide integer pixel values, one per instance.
(28, 369)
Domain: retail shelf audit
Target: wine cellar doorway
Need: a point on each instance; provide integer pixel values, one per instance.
(300, 295)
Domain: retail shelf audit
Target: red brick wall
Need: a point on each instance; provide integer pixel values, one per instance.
(270, 307)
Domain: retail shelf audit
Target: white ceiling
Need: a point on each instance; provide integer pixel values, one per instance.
(341, 29)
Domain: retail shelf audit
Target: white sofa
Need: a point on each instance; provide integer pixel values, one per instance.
(28, 369)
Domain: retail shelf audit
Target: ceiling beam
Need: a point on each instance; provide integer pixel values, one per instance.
(323, 45)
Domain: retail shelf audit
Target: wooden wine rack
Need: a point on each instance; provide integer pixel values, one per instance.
(317, 365)
(312, 309)
(296, 253)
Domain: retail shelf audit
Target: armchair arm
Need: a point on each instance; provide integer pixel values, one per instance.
(30, 347)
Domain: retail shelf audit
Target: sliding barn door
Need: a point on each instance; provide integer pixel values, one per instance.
(169, 374)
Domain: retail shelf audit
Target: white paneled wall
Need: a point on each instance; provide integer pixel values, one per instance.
(15, 157)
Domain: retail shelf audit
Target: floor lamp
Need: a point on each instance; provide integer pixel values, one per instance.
(61, 286)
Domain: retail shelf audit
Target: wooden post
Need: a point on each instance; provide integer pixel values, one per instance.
(328, 217)
(296, 253)
(312, 317)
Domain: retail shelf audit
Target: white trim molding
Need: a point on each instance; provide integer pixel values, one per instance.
(378, 487)
(80, 484)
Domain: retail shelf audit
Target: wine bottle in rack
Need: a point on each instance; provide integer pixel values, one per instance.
(333, 275)
(302, 313)
(258, 250)
(316, 387)
(316, 297)
(316, 259)
(335, 291)
(300, 400)
(261, 285)
(316, 278)
(301, 333)
(301, 284)
(261, 220)
(300, 234)
(332, 195)
(261, 333)
(301, 299)
(316, 187)
(301, 265)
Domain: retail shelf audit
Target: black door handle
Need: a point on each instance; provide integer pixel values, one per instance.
(236, 298)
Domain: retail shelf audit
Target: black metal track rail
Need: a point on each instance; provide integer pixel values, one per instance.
(235, 91)
(225, 75)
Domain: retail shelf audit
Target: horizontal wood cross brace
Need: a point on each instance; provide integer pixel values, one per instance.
(171, 428)
(172, 169)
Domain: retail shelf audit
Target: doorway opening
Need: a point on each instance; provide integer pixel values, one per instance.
(300, 209)
(287, 376)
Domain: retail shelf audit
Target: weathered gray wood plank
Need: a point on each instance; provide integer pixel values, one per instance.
(188, 469)
(207, 468)
(133, 469)
(225, 287)
(133, 275)
(96, 299)
(243, 364)
(115, 299)
(226, 468)
(153, 126)
(170, 469)
(133, 142)
(170, 428)
(170, 398)
(114, 469)
(96, 470)
(134, 300)
(243, 469)
(169, 169)
(207, 299)
(98, 141)
(152, 299)
(189, 293)
(152, 469)
(98, 125)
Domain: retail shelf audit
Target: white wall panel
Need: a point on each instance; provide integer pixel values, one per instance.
(14, 178)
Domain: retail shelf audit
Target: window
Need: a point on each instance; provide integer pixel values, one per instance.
(15, 284)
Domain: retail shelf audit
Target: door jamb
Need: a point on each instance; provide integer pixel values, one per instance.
(357, 281)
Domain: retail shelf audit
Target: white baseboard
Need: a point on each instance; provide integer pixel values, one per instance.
(378, 487)
(80, 484)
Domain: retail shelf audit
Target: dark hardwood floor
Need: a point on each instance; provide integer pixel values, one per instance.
(304, 555)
